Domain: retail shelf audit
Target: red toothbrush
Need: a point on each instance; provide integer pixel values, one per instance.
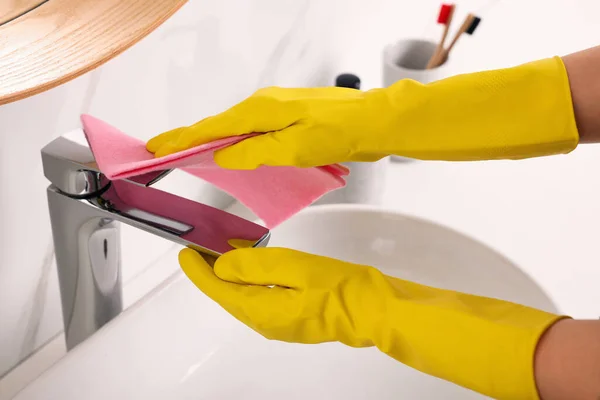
(444, 18)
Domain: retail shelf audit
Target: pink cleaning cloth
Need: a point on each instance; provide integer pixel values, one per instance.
(274, 194)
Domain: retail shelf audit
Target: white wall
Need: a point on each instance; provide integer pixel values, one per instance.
(211, 54)
(201, 61)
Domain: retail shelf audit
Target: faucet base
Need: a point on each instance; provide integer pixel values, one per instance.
(87, 248)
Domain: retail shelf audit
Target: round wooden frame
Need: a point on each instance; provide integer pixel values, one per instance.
(63, 39)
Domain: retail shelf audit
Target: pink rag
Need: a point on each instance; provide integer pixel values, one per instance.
(274, 194)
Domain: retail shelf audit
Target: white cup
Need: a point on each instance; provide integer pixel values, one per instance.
(407, 59)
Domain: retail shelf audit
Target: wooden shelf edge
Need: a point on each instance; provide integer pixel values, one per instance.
(63, 39)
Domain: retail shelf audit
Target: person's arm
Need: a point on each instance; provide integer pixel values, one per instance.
(583, 69)
(567, 360)
(512, 113)
(484, 344)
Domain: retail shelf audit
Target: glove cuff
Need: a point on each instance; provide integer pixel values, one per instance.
(513, 113)
(483, 344)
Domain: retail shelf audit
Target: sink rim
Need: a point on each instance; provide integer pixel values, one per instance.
(374, 209)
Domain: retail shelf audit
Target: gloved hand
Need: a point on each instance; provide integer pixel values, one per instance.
(480, 343)
(513, 113)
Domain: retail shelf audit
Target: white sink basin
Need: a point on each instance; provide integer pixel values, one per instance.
(178, 344)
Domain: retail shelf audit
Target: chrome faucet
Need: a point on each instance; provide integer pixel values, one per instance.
(85, 211)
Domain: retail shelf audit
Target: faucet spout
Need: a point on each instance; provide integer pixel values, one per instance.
(85, 211)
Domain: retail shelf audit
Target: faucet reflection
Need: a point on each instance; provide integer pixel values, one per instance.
(85, 211)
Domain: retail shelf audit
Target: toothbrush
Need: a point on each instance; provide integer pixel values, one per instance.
(445, 18)
(468, 26)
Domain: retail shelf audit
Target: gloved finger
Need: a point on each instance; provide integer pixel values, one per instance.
(159, 141)
(204, 277)
(280, 148)
(264, 309)
(265, 266)
(252, 305)
(241, 243)
(256, 114)
(167, 149)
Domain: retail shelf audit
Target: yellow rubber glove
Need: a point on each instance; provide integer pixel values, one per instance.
(480, 343)
(512, 113)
